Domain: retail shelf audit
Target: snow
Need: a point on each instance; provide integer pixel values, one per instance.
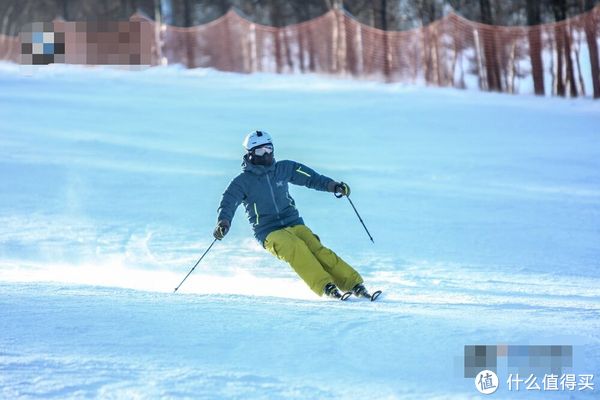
(484, 209)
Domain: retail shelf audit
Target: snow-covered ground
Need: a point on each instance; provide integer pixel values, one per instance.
(485, 210)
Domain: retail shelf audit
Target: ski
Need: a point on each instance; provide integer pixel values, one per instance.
(371, 297)
(346, 296)
(334, 293)
(375, 295)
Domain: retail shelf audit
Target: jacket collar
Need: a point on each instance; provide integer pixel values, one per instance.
(247, 166)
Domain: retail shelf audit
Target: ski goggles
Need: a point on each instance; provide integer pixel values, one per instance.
(261, 151)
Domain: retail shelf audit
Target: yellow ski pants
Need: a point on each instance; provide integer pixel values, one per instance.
(314, 263)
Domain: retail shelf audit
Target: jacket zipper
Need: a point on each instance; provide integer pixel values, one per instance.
(273, 198)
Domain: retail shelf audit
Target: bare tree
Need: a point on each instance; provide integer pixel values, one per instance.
(380, 11)
(563, 50)
(190, 45)
(65, 9)
(591, 33)
(535, 46)
(490, 48)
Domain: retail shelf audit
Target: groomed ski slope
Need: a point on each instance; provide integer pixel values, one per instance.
(484, 209)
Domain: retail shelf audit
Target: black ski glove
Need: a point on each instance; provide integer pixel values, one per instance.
(221, 229)
(341, 189)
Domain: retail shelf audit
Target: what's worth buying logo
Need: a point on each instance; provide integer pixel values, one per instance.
(486, 382)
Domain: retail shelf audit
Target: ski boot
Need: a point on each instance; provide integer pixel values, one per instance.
(332, 291)
(361, 291)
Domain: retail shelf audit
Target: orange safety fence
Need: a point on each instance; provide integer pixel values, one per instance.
(557, 58)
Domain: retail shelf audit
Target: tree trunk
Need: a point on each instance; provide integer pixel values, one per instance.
(570, 67)
(489, 48)
(312, 62)
(535, 46)
(560, 79)
(158, 20)
(65, 9)
(190, 42)
(381, 23)
(591, 32)
(134, 7)
(563, 48)
(425, 43)
(352, 45)
(301, 49)
(276, 21)
(288, 50)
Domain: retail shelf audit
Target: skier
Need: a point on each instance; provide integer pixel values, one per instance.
(263, 189)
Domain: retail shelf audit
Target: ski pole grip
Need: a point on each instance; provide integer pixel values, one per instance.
(344, 192)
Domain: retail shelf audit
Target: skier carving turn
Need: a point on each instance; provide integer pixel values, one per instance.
(262, 188)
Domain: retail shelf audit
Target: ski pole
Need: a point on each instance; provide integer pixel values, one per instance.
(357, 214)
(194, 267)
(361, 221)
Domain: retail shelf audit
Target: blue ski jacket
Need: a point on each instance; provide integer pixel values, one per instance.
(264, 192)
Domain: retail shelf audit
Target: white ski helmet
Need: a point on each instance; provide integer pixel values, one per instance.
(255, 139)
